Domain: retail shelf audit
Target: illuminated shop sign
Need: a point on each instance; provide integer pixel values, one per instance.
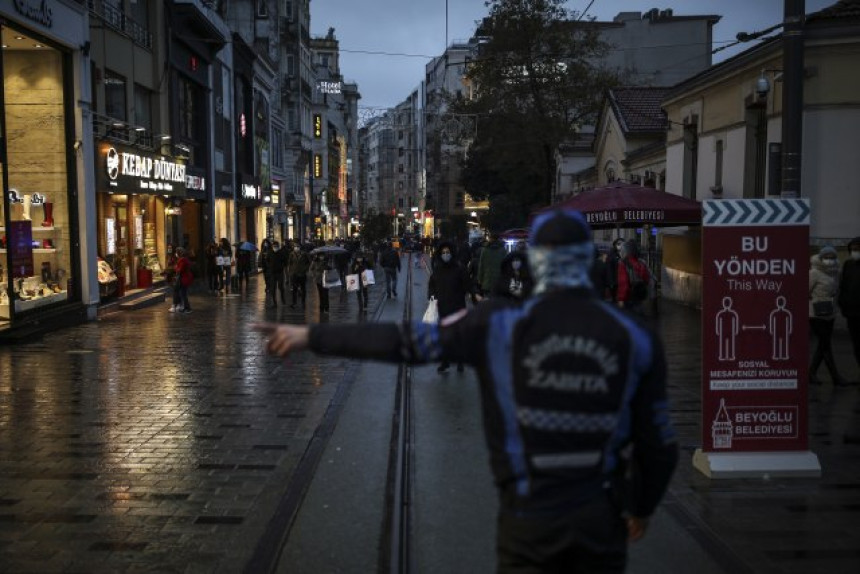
(317, 165)
(317, 126)
(195, 183)
(250, 191)
(146, 173)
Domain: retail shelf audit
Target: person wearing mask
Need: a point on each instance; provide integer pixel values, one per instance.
(184, 278)
(317, 270)
(634, 279)
(298, 267)
(823, 283)
(573, 392)
(612, 261)
(515, 280)
(359, 266)
(490, 264)
(449, 284)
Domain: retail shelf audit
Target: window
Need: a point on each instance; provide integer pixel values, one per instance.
(115, 103)
(186, 108)
(277, 147)
(142, 107)
(288, 10)
(140, 12)
(262, 9)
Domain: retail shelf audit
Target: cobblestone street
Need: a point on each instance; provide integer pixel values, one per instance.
(153, 441)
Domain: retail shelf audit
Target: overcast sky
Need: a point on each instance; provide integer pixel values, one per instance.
(385, 44)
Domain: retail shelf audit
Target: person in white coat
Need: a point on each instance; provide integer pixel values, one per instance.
(823, 284)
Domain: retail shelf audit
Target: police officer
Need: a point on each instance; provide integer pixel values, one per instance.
(574, 399)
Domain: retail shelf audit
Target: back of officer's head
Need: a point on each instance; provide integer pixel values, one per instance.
(561, 251)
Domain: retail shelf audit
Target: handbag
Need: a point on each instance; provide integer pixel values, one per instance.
(431, 315)
(367, 277)
(352, 282)
(823, 308)
(331, 278)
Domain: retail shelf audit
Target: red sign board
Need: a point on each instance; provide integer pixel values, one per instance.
(755, 269)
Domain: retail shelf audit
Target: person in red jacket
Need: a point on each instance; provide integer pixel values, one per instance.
(634, 279)
(183, 280)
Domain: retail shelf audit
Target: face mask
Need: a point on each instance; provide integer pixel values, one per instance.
(618, 247)
(276, 248)
(516, 264)
(446, 257)
(297, 249)
(855, 255)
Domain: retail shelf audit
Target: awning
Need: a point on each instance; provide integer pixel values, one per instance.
(623, 204)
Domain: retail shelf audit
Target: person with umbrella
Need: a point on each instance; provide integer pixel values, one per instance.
(243, 261)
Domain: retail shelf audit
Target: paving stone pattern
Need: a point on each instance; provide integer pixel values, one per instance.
(798, 525)
(154, 441)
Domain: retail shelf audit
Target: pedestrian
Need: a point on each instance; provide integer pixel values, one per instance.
(490, 264)
(183, 279)
(574, 404)
(598, 276)
(341, 263)
(213, 272)
(849, 294)
(634, 279)
(358, 267)
(612, 261)
(277, 267)
(266, 266)
(449, 284)
(390, 261)
(298, 265)
(243, 264)
(823, 283)
(225, 252)
(515, 280)
(319, 265)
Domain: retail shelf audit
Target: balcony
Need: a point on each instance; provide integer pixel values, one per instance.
(117, 20)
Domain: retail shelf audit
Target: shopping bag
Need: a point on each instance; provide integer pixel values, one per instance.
(367, 277)
(331, 279)
(352, 282)
(431, 315)
(221, 261)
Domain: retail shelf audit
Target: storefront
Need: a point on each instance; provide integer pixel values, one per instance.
(141, 208)
(40, 254)
(225, 207)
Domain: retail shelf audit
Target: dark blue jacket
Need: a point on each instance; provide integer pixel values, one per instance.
(568, 383)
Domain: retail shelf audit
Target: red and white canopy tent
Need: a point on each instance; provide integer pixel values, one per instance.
(621, 204)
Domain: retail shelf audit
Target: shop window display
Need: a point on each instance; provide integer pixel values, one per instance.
(35, 230)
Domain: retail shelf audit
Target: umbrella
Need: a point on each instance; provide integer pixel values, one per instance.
(329, 250)
(247, 246)
(621, 204)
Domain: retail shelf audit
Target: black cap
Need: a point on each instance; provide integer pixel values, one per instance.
(560, 227)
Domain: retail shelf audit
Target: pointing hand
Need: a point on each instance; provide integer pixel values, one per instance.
(283, 339)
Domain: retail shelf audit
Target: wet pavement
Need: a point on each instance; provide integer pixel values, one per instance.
(150, 441)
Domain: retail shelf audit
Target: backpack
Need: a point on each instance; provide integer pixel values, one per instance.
(638, 285)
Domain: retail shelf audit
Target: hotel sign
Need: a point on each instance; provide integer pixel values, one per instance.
(130, 172)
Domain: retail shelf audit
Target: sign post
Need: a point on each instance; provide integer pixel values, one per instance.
(755, 346)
